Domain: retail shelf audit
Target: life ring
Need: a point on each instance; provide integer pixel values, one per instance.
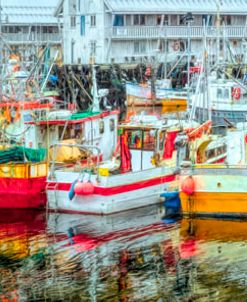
(236, 93)
(175, 46)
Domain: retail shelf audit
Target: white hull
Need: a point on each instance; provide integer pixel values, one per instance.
(98, 204)
(138, 218)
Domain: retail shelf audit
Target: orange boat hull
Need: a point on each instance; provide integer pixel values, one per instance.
(214, 204)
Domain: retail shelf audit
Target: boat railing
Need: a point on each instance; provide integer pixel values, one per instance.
(210, 169)
(56, 165)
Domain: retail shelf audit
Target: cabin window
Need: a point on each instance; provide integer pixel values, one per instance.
(139, 139)
(71, 132)
(134, 139)
(112, 125)
(149, 140)
(226, 93)
(220, 93)
(65, 133)
(210, 153)
(101, 127)
(162, 136)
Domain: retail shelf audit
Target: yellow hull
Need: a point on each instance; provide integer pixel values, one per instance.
(214, 204)
(173, 105)
(214, 229)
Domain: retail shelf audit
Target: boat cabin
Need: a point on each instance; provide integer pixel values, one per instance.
(214, 152)
(145, 142)
(87, 128)
(226, 91)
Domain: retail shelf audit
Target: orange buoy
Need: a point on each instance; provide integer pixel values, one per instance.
(84, 188)
(188, 185)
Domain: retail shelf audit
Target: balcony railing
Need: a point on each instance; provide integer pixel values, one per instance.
(171, 32)
(16, 38)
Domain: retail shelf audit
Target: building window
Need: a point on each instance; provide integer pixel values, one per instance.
(226, 20)
(136, 47)
(93, 20)
(159, 20)
(72, 51)
(207, 20)
(83, 25)
(72, 6)
(174, 20)
(72, 21)
(118, 20)
(93, 48)
(128, 20)
(163, 46)
(142, 19)
(139, 20)
(139, 47)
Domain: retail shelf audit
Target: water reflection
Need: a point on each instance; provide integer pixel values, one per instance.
(132, 256)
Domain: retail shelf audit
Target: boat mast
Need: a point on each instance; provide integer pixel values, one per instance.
(95, 106)
(1, 54)
(218, 33)
(188, 18)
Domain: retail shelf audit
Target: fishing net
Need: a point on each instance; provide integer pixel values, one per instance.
(17, 154)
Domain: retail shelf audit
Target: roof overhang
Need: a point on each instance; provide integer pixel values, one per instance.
(59, 9)
(227, 7)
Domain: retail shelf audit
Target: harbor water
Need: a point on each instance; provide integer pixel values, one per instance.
(132, 256)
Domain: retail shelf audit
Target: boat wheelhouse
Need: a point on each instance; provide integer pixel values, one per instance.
(90, 128)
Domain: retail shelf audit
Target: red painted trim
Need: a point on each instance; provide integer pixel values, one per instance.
(79, 121)
(26, 105)
(106, 191)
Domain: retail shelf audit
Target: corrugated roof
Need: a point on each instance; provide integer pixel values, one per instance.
(29, 11)
(177, 6)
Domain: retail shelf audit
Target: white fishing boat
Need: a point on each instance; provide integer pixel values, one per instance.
(141, 169)
(226, 99)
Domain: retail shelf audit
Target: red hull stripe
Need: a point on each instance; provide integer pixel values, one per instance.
(106, 191)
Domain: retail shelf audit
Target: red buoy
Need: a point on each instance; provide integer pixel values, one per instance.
(188, 185)
(84, 188)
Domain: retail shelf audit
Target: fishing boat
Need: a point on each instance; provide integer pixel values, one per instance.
(142, 166)
(23, 173)
(218, 189)
(225, 98)
(169, 99)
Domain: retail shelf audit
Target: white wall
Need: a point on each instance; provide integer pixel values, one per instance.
(92, 33)
(118, 49)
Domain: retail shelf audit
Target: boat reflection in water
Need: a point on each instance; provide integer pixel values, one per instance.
(130, 256)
